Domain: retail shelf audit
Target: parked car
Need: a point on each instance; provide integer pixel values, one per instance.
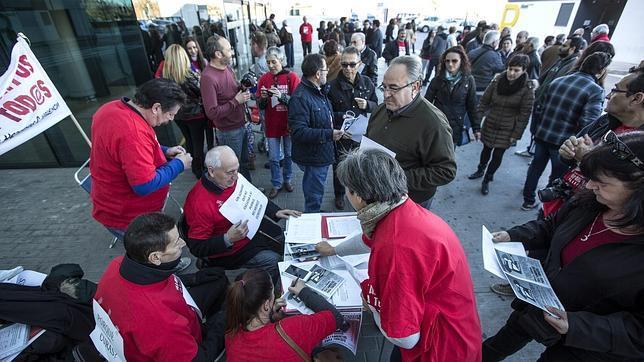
(428, 23)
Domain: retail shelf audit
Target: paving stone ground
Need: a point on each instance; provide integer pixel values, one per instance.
(46, 221)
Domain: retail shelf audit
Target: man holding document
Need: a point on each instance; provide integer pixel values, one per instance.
(253, 239)
(353, 92)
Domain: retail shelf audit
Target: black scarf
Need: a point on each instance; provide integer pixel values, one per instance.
(144, 274)
(507, 88)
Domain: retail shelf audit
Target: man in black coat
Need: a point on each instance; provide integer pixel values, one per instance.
(394, 48)
(375, 42)
(369, 66)
(438, 47)
(530, 48)
(350, 91)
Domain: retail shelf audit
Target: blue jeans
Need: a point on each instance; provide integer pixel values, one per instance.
(313, 186)
(290, 59)
(274, 148)
(543, 152)
(265, 260)
(237, 140)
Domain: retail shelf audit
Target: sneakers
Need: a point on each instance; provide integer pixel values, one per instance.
(524, 153)
(503, 289)
(273, 192)
(529, 205)
(339, 202)
(184, 263)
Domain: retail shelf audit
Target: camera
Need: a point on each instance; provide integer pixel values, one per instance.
(559, 190)
(248, 81)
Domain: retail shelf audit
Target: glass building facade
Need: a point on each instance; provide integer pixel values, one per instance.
(99, 50)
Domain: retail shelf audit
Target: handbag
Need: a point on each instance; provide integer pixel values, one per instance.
(305, 357)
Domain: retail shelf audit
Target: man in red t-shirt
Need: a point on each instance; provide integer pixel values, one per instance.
(396, 48)
(159, 318)
(306, 34)
(214, 238)
(130, 171)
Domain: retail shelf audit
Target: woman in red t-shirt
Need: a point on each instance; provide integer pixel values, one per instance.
(274, 90)
(595, 245)
(256, 329)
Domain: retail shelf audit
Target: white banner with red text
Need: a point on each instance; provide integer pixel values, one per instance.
(30, 103)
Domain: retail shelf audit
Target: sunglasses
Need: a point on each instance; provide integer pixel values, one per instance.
(347, 65)
(621, 150)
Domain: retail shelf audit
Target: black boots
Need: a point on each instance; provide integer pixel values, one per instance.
(485, 185)
(480, 171)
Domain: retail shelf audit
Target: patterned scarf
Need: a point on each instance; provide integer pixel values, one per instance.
(372, 213)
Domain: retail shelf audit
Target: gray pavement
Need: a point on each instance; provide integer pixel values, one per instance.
(47, 220)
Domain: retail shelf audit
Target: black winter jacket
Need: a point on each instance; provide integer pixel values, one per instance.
(439, 45)
(602, 290)
(342, 94)
(193, 108)
(455, 103)
(310, 122)
(368, 58)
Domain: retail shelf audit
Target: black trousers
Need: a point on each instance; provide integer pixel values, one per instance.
(194, 131)
(497, 157)
(306, 48)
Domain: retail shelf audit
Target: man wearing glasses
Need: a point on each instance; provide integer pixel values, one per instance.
(311, 125)
(354, 92)
(369, 66)
(415, 130)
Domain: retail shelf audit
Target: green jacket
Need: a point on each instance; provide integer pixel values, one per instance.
(421, 137)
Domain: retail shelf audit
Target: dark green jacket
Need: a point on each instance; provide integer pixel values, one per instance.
(422, 140)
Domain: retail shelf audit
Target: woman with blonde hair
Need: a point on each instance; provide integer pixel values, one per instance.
(191, 118)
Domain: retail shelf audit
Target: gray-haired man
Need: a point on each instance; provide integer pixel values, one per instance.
(414, 129)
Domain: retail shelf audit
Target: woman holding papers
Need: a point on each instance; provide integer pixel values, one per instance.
(594, 263)
(256, 329)
(419, 286)
(274, 90)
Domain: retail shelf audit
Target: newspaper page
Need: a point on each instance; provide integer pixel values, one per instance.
(488, 247)
(303, 252)
(356, 127)
(540, 296)
(348, 339)
(522, 267)
(13, 338)
(368, 143)
(323, 280)
(245, 203)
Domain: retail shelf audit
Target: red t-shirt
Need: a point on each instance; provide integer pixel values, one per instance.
(419, 282)
(577, 247)
(402, 49)
(154, 320)
(276, 118)
(306, 32)
(201, 211)
(125, 153)
(265, 344)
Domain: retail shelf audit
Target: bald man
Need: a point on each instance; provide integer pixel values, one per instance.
(217, 241)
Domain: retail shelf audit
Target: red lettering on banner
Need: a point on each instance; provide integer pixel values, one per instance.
(24, 67)
(24, 104)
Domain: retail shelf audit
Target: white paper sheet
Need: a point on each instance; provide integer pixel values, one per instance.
(356, 127)
(368, 143)
(245, 203)
(490, 261)
(27, 278)
(106, 337)
(342, 226)
(305, 229)
(13, 338)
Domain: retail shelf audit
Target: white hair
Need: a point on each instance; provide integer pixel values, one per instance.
(491, 37)
(534, 41)
(359, 35)
(213, 157)
(601, 29)
(278, 54)
(412, 64)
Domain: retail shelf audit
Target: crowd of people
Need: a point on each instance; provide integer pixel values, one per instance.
(589, 236)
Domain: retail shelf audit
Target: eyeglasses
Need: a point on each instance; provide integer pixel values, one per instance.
(347, 65)
(454, 61)
(621, 150)
(393, 89)
(615, 90)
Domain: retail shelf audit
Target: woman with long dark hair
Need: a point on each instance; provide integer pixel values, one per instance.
(506, 105)
(453, 91)
(256, 329)
(197, 61)
(595, 248)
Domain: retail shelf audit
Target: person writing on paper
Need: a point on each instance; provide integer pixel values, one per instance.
(213, 238)
(417, 131)
(274, 90)
(350, 91)
(419, 286)
(255, 321)
(147, 303)
(595, 248)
